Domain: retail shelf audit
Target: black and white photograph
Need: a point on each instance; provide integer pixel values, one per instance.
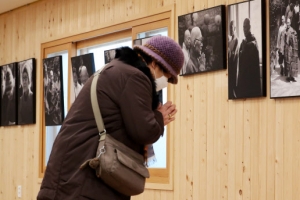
(26, 92)
(202, 39)
(284, 48)
(109, 55)
(8, 99)
(83, 67)
(53, 91)
(246, 50)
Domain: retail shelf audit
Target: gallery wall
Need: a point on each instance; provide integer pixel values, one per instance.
(223, 149)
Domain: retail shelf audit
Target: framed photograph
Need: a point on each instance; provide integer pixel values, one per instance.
(202, 39)
(83, 67)
(9, 96)
(246, 50)
(53, 91)
(109, 55)
(284, 48)
(26, 91)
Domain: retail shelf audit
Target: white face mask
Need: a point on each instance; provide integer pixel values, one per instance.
(161, 83)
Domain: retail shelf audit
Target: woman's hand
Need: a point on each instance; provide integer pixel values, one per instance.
(168, 111)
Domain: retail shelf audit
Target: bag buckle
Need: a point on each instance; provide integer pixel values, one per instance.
(103, 132)
(101, 151)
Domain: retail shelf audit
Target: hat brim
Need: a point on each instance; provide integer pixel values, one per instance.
(173, 79)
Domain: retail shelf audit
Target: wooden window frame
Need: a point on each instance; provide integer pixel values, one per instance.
(160, 178)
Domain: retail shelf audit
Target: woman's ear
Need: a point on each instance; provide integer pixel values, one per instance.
(153, 65)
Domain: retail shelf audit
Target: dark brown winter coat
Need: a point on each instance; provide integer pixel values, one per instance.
(127, 101)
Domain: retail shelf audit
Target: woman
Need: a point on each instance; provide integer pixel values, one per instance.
(131, 112)
(26, 100)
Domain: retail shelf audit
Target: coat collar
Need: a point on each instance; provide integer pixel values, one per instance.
(130, 57)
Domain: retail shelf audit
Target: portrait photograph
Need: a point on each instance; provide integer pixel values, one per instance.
(246, 50)
(284, 48)
(83, 67)
(26, 92)
(109, 55)
(53, 91)
(201, 36)
(9, 96)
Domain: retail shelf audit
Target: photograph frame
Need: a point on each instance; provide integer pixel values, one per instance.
(84, 64)
(27, 98)
(109, 55)
(246, 55)
(284, 56)
(202, 37)
(8, 100)
(53, 91)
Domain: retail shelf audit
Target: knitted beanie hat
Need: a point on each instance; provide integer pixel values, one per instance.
(166, 52)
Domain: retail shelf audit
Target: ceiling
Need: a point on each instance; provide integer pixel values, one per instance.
(7, 5)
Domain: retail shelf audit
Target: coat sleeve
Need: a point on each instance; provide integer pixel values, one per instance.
(143, 124)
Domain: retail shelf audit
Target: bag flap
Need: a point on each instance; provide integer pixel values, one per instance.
(109, 140)
(132, 164)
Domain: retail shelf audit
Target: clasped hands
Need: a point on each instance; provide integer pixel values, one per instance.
(168, 111)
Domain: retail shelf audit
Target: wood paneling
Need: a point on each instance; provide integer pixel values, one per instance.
(234, 150)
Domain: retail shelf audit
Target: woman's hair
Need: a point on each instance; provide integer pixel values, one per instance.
(148, 59)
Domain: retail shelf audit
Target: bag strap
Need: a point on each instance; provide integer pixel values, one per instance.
(95, 106)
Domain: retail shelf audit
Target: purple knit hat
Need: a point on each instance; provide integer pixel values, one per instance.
(166, 52)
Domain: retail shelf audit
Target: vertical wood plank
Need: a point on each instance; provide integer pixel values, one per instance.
(254, 150)
(211, 160)
(239, 143)
(288, 151)
(189, 140)
(200, 144)
(246, 146)
(271, 131)
(279, 161)
(296, 158)
(231, 151)
(262, 152)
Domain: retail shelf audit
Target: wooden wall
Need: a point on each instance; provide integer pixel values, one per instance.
(234, 150)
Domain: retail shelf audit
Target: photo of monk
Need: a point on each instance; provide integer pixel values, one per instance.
(284, 48)
(83, 67)
(246, 50)
(202, 39)
(53, 91)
